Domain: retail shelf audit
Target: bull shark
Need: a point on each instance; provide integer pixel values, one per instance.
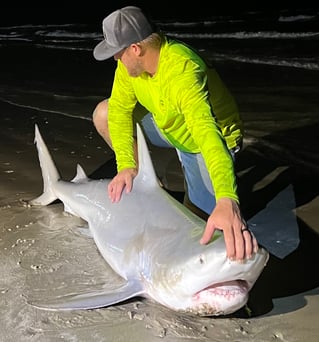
(151, 240)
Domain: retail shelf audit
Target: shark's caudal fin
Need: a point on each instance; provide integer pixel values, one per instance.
(146, 172)
(50, 173)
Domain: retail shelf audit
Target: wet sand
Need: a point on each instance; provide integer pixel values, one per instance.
(43, 253)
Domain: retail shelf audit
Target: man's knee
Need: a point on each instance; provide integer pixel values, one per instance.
(100, 114)
(100, 120)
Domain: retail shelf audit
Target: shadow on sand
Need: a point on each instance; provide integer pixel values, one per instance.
(297, 272)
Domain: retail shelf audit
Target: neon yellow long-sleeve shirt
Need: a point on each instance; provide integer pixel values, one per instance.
(191, 106)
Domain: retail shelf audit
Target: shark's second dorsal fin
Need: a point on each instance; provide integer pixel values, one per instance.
(81, 176)
(146, 173)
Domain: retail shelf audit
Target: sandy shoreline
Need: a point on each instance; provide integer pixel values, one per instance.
(41, 250)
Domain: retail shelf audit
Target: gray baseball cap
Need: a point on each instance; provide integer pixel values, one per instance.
(122, 28)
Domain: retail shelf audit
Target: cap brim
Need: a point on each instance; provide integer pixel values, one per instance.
(103, 51)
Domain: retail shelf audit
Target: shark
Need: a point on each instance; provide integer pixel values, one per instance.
(151, 240)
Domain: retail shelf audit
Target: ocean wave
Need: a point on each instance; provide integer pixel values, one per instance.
(279, 39)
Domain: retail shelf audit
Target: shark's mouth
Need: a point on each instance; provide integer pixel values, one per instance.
(220, 299)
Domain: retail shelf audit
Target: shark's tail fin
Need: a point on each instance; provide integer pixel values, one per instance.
(50, 173)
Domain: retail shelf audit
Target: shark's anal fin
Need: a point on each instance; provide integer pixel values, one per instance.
(83, 231)
(91, 300)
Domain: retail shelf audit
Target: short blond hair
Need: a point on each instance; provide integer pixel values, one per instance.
(154, 40)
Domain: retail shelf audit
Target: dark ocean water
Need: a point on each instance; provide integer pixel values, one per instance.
(282, 37)
(270, 59)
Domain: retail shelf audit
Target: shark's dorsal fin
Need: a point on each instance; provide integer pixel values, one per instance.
(81, 176)
(146, 173)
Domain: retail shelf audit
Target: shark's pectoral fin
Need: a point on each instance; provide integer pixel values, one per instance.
(91, 300)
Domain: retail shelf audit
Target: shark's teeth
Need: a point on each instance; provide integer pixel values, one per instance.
(211, 300)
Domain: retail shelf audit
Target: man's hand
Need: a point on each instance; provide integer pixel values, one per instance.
(226, 216)
(124, 179)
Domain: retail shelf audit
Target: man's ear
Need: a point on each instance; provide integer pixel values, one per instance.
(137, 49)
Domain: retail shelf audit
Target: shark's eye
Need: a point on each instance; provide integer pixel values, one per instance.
(201, 259)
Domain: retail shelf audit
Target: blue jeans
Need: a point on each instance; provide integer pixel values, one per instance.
(199, 185)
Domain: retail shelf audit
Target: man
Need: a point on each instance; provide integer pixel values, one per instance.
(185, 106)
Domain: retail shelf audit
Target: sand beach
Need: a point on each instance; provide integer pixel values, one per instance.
(42, 252)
